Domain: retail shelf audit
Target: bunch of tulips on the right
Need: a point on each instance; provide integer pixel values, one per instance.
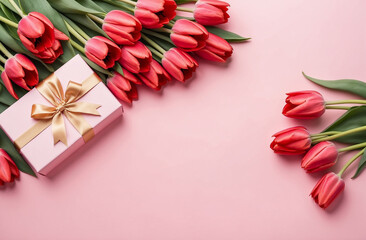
(318, 150)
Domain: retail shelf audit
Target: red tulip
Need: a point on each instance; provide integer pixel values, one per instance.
(304, 105)
(123, 87)
(102, 51)
(189, 36)
(327, 189)
(8, 169)
(136, 58)
(291, 141)
(211, 12)
(122, 27)
(217, 49)
(179, 65)
(36, 32)
(320, 157)
(20, 70)
(49, 55)
(156, 77)
(155, 13)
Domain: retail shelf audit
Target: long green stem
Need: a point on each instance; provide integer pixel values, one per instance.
(341, 134)
(324, 134)
(156, 52)
(19, 11)
(154, 44)
(158, 35)
(1, 70)
(355, 101)
(353, 147)
(77, 46)
(5, 51)
(170, 24)
(129, 2)
(337, 107)
(2, 59)
(166, 30)
(8, 22)
(75, 33)
(95, 18)
(183, 9)
(354, 158)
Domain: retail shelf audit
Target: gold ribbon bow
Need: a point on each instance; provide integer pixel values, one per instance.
(62, 104)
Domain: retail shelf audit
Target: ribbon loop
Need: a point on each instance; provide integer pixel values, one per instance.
(62, 104)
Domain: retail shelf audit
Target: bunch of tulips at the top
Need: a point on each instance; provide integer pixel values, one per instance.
(320, 154)
(126, 42)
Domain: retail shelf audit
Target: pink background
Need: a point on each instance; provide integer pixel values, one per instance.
(194, 161)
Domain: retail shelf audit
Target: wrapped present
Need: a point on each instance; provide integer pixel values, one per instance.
(60, 115)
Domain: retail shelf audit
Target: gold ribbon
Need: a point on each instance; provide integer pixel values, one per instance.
(62, 104)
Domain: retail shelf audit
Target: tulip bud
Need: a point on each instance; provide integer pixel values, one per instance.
(102, 51)
(189, 36)
(327, 189)
(211, 12)
(8, 169)
(322, 156)
(291, 141)
(123, 87)
(217, 49)
(123, 28)
(155, 13)
(136, 58)
(156, 77)
(180, 65)
(304, 105)
(20, 70)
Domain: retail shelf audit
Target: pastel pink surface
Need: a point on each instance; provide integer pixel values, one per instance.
(41, 152)
(194, 161)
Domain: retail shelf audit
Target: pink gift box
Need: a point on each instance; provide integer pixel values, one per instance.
(41, 153)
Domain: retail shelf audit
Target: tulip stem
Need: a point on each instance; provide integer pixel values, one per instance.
(75, 33)
(155, 34)
(95, 18)
(341, 134)
(77, 46)
(355, 101)
(166, 30)
(324, 134)
(1, 69)
(337, 107)
(354, 158)
(2, 59)
(8, 22)
(129, 2)
(170, 24)
(353, 147)
(5, 51)
(156, 52)
(152, 43)
(17, 8)
(183, 9)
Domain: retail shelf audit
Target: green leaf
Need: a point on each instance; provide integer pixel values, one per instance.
(109, 5)
(91, 4)
(228, 36)
(96, 67)
(71, 6)
(118, 68)
(5, 97)
(8, 146)
(347, 85)
(3, 107)
(353, 118)
(87, 22)
(361, 166)
(184, 1)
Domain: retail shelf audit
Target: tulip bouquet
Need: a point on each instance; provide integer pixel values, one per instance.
(126, 42)
(320, 152)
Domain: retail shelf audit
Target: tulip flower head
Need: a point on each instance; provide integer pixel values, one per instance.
(189, 36)
(102, 51)
(304, 105)
(49, 55)
(217, 49)
(180, 65)
(122, 28)
(155, 13)
(156, 77)
(291, 141)
(136, 58)
(8, 170)
(21, 71)
(211, 12)
(327, 189)
(322, 156)
(123, 87)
